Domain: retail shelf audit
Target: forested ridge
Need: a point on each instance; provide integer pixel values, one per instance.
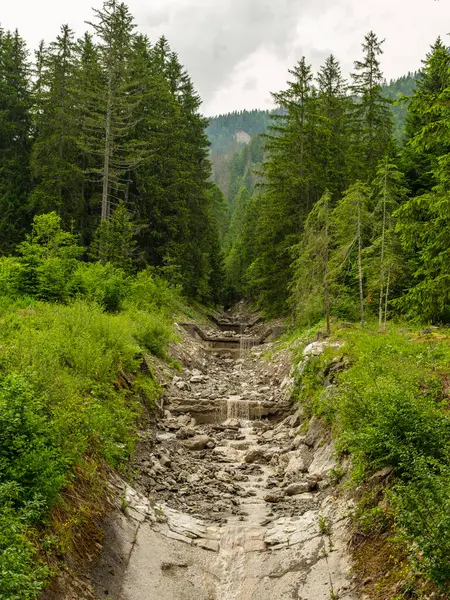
(343, 215)
(122, 207)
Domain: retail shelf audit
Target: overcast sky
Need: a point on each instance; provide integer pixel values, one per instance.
(238, 51)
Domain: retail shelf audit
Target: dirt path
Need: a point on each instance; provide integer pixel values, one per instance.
(233, 499)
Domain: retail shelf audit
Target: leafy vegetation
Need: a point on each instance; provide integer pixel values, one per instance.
(387, 401)
(69, 331)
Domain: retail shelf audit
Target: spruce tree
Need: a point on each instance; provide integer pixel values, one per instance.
(15, 138)
(371, 113)
(55, 156)
(351, 220)
(333, 108)
(114, 104)
(291, 187)
(311, 287)
(114, 240)
(384, 261)
(423, 143)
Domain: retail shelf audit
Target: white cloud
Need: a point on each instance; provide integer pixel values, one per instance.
(237, 51)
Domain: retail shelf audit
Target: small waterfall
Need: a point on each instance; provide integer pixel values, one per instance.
(245, 346)
(238, 409)
(243, 410)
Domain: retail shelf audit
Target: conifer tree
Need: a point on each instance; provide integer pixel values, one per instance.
(333, 108)
(372, 113)
(15, 138)
(290, 188)
(351, 220)
(55, 156)
(114, 104)
(384, 258)
(114, 240)
(311, 293)
(423, 144)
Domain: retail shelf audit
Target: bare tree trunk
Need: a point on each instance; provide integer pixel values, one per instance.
(326, 282)
(387, 296)
(106, 207)
(360, 276)
(383, 235)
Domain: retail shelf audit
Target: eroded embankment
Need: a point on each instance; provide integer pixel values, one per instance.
(232, 498)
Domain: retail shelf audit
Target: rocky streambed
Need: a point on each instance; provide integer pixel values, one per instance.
(232, 497)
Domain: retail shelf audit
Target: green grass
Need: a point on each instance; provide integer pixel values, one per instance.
(388, 405)
(63, 404)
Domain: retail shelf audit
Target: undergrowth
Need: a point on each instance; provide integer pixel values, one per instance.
(386, 396)
(71, 391)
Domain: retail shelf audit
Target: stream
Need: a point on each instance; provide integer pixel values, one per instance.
(232, 498)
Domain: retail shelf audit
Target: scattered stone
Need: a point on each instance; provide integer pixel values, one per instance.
(382, 474)
(211, 545)
(274, 496)
(186, 432)
(182, 385)
(168, 566)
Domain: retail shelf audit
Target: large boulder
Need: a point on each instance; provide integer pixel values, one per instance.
(297, 464)
(294, 489)
(257, 456)
(199, 442)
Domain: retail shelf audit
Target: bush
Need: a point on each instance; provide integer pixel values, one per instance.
(29, 457)
(151, 333)
(149, 292)
(11, 274)
(100, 283)
(62, 402)
(21, 576)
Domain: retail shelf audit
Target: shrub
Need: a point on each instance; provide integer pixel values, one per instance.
(149, 292)
(11, 273)
(100, 283)
(151, 333)
(29, 457)
(21, 575)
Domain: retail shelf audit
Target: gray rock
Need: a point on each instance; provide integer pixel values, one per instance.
(296, 465)
(256, 456)
(274, 496)
(186, 432)
(297, 488)
(295, 420)
(199, 442)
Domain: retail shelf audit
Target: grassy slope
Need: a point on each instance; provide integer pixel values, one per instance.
(71, 395)
(388, 405)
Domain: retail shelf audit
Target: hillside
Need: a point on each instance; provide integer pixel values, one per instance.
(222, 129)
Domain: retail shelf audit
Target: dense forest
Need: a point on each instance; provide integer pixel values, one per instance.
(105, 131)
(222, 130)
(344, 218)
